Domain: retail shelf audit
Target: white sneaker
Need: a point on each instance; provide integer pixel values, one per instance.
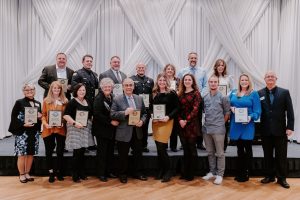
(208, 176)
(218, 180)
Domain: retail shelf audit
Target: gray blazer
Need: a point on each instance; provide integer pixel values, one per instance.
(119, 105)
(110, 74)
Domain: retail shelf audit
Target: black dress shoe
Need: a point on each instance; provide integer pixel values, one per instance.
(267, 180)
(141, 177)
(28, 178)
(112, 175)
(76, 179)
(283, 183)
(201, 147)
(242, 179)
(22, 180)
(103, 178)
(123, 179)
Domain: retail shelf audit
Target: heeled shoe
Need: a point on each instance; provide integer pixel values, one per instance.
(28, 177)
(22, 180)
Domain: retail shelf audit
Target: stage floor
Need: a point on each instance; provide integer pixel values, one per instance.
(8, 161)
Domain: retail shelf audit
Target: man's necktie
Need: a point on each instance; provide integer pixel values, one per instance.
(131, 102)
(118, 77)
(271, 97)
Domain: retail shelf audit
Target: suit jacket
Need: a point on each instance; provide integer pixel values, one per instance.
(49, 75)
(124, 131)
(110, 74)
(279, 116)
(102, 126)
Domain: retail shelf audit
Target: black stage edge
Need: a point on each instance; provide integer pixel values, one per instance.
(8, 165)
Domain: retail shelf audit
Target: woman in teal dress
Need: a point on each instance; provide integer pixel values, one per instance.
(243, 133)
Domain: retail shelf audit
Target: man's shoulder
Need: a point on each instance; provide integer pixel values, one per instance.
(50, 67)
(69, 69)
(106, 73)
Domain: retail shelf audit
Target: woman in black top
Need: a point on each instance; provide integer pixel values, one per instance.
(77, 134)
(104, 129)
(162, 128)
(27, 134)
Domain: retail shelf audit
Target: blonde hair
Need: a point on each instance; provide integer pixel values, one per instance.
(250, 87)
(50, 98)
(156, 90)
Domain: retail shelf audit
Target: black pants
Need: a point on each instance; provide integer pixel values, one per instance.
(163, 157)
(105, 154)
(145, 133)
(78, 162)
(275, 166)
(174, 135)
(50, 142)
(189, 156)
(245, 155)
(123, 149)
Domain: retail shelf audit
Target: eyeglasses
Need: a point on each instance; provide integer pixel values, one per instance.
(128, 85)
(270, 76)
(29, 90)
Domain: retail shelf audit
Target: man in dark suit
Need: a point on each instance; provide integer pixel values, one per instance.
(57, 72)
(114, 72)
(129, 135)
(143, 86)
(277, 120)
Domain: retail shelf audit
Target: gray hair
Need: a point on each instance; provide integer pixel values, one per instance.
(25, 85)
(106, 81)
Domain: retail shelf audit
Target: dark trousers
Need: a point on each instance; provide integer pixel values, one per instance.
(189, 156)
(163, 157)
(50, 142)
(245, 155)
(78, 162)
(174, 135)
(123, 148)
(275, 166)
(145, 133)
(105, 154)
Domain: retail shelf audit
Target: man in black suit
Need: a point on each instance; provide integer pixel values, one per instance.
(129, 135)
(277, 121)
(114, 72)
(57, 72)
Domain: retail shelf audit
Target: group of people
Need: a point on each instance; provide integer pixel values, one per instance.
(117, 110)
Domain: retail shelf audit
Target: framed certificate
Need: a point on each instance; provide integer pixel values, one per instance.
(64, 83)
(223, 89)
(55, 118)
(118, 89)
(31, 114)
(82, 117)
(173, 85)
(241, 115)
(145, 99)
(134, 118)
(159, 111)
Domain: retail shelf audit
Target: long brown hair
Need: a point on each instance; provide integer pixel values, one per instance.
(182, 87)
(50, 98)
(250, 87)
(217, 63)
(156, 90)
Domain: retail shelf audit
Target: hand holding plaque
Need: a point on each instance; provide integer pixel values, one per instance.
(241, 115)
(82, 117)
(31, 115)
(134, 117)
(55, 118)
(159, 111)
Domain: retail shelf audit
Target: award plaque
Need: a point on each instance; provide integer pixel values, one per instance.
(64, 83)
(55, 118)
(31, 114)
(145, 99)
(173, 85)
(223, 89)
(159, 111)
(82, 117)
(241, 115)
(118, 89)
(134, 118)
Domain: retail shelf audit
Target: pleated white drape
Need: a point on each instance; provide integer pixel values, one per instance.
(252, 36)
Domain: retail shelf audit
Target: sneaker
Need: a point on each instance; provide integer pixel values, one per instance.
(218, 180)
(208, 176)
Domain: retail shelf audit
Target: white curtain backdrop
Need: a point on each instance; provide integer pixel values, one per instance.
(253, 36)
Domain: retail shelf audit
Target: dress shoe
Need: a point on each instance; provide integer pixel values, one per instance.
(22, 178)
(123, 179)
(112, 175)
(146, 150)
(267, 180)
(242, 179)
(76, 179)
(103, 178)
(28, 177)
(283, 183)
(166, 178)
(141, 177)
(51, 178)
(83, 177)
(201, 147)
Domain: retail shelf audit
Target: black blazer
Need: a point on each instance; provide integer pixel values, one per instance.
(101, 119)
(16, 126)
(110, 74)
(49, 75)
(279, 116)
